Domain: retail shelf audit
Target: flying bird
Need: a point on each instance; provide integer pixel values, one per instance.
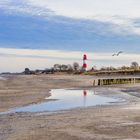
(117, 54)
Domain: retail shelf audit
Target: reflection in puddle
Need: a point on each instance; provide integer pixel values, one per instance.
(85, 94)
(67, 99)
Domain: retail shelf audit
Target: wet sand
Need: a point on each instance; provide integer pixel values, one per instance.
(116, 122)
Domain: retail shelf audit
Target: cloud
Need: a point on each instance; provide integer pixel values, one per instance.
(121, 13)
(91, 8)
(15, 60)
(71, 24)
(66, 55)
(80, 8)
(63, 33)
(22, 7)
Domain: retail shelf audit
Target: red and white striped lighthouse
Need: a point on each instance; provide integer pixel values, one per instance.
(84, 62)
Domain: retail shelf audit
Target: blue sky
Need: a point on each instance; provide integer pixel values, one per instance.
(91, 26)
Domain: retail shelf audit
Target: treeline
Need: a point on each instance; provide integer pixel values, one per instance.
(133, 66)
(133, 69)
(77, 69)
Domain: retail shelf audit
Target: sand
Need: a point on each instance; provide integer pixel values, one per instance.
(116, 122)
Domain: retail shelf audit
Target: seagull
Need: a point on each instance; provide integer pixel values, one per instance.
(117, 54)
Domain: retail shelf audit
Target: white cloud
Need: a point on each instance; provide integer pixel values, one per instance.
(73, 55)
(121, 13)
(83, 8)
(18, 59)
(91, 8)
(18, 7)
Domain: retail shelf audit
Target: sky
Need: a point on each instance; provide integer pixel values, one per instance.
(40, 33)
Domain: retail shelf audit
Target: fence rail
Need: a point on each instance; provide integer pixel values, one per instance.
(115, 81)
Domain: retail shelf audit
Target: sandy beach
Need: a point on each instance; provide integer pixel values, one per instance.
(115, 122)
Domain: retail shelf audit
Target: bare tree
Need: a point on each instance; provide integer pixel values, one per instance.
(57, 67)
(70, 69)
(125, 68)
(64, 67)
(134, 65)
(27, 71)
(76, 66)
(112, 68)
(102, 68)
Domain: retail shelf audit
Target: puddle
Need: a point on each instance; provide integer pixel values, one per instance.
(67, 99)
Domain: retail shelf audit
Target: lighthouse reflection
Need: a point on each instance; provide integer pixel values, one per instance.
(85, 95)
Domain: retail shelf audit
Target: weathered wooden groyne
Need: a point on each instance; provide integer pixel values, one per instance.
(115, 81)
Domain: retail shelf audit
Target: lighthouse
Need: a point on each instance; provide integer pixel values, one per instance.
(84, 62)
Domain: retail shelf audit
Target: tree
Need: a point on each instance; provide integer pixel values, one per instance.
(57, 67)
(102, 68)
(76, 66)
(125, 68)
(64, 67)
(112, 68)
(27, 71)
(134, 65)
(70, 69)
